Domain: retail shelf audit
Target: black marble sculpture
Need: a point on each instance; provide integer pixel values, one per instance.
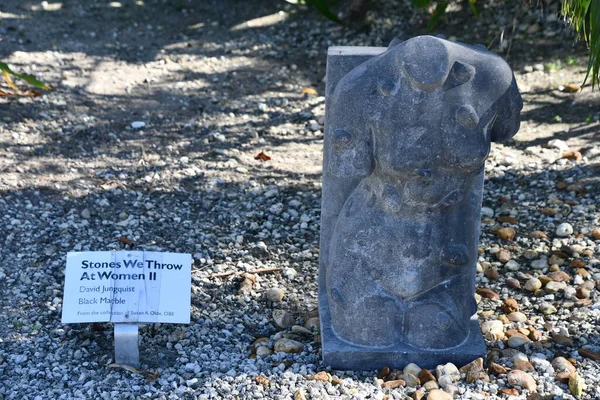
(408, 129)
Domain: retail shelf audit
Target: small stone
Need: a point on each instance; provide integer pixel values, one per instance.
(85, 214)
(510, 305)
(322, 376)
(561, 364)
(584, 274)
(431, 385)
(523, 365)
(547, 308)
(312, 324)
(513, 283)
(555, 287)
(517, 340)
(558, 144)
(596, 233)
(512, 265)
(283, 319)
(507, 219)
(510, 391)
(539, 235)
(587, 353)
(437, 394)
(562, 340)
(496, 369)
(517, 317)
(582, 293)
(446, 369)
(533, 284)
(445, 380)
(487, 293)
(425, 376)
(550, 211)
(299, 395)
(411, 380)
(288, 346)
(393, 384)
(301, 330)
(336, 381)
(539, 264)
(544, 279)
(534, 334)
(138, 124)
(383, 372)
(576, 385)
(530, 254)
(491, 273)
(563, 377)
(503, 256)
(493, 330)
(412, 368)
(555, 259)
(577, 263)
(417, 395)
(564, 229)
(521, 379)
(275, 294)
(559, 276)
(263, 351)
(475, 371)
(487, 212)
(506, 233)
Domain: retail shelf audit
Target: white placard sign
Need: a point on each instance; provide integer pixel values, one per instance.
(127, 287)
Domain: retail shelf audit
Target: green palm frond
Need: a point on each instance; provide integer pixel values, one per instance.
(584, 15)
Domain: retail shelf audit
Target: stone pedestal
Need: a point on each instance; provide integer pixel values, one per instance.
(407, 131)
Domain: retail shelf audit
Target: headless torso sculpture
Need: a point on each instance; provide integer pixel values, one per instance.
(407, 134)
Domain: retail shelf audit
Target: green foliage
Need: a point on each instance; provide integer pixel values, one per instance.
(27, 78)
(584, 15)
(440, 9)
(321, 5)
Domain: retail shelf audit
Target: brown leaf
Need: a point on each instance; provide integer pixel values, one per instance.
(506, 234)
(571, 88)
(126, 242)
(10, 82)
(150, 376)
(592, 355)
(309, 91)
(261, 380)
(572, 155)
(246, 283)
(262, 156)
(487, 293)
(506, 218)
(383, 372)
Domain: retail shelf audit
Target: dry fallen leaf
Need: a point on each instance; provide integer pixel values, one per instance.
(262, 156)
(572, 155)
(571, 88)
(261, 380)
(246, 283)
(150, 376)
(310, 91)
(126, 242)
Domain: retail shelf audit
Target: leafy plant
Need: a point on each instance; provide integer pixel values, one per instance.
(321, 5)
(7, 72)
(584, 15)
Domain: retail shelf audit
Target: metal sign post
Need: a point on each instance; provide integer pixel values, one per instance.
(127, 349)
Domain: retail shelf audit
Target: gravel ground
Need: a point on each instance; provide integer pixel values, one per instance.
(151, 133)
